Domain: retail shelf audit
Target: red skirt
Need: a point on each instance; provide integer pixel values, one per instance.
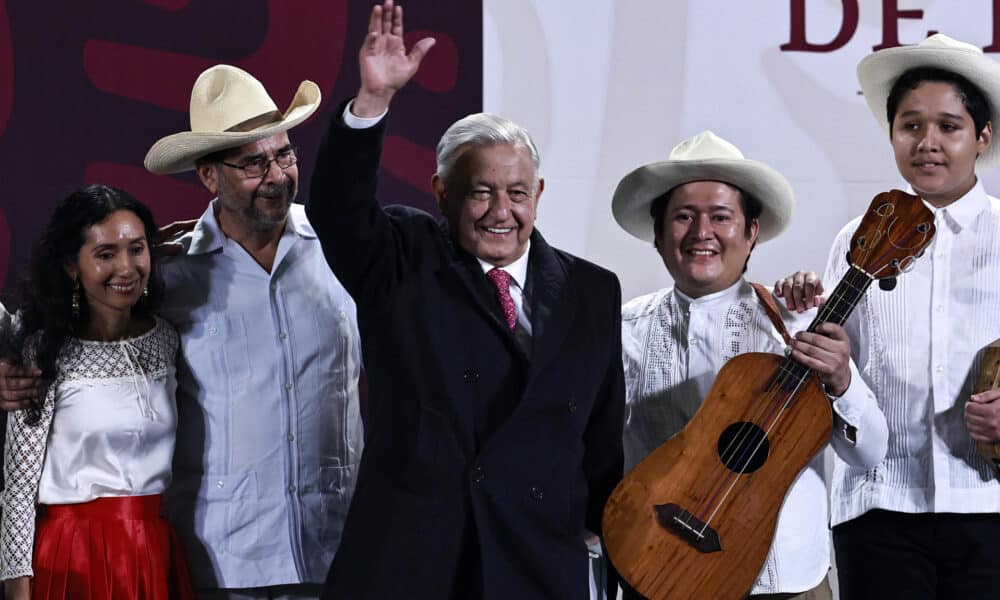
(108, 549)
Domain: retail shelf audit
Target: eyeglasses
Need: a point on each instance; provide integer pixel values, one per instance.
(259, 167)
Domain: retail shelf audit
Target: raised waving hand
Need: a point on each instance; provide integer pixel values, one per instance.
(383, 61)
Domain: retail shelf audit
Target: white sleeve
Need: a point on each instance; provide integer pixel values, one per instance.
(24, 452)
(355, 122)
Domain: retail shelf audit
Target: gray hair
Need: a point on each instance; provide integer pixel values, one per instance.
(482, 129)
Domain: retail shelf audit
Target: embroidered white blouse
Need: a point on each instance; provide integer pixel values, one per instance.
(673, 347)
(106, 429)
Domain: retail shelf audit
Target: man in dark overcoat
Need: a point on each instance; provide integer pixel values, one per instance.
(494, 432)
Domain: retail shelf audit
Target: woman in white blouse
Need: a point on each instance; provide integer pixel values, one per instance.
(85, 465)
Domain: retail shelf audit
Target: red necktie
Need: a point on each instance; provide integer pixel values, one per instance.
(501, 279)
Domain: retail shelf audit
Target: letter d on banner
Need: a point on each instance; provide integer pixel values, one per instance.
(797, 34)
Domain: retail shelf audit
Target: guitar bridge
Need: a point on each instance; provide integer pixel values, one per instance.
(682, 523)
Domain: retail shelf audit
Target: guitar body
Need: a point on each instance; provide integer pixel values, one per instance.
(689, 471)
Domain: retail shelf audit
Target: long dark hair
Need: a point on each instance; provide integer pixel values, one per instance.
(46, 317)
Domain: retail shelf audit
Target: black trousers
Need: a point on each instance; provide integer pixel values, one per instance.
(944, 556)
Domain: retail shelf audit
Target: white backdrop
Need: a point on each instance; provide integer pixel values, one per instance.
(605, 86)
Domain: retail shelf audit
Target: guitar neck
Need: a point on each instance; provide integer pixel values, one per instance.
(838, 307)
(845, 297)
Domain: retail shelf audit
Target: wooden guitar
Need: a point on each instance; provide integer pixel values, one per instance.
(696, 517)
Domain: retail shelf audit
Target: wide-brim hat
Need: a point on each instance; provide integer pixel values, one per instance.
(704, 157)
(878, 72)
(229, 108)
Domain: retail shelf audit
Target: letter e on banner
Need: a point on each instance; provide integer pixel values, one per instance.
(890, 23)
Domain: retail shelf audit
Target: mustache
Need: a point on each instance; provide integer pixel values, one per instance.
(276, 190)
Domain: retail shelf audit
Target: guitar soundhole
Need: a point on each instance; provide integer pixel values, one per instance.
(743, 447)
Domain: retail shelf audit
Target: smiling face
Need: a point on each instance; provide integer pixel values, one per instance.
(112, 266)
(252, 204)
(703, 239)
(490, 201)
(935, 142)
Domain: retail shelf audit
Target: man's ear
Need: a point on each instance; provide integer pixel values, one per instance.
(985, 138)
(208, 173)
(437, 187)
(754, 231)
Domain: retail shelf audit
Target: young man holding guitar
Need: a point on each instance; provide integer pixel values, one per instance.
(923, 523)
(704, 209)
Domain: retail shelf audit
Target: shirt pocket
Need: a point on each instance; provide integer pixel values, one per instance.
(230, 332)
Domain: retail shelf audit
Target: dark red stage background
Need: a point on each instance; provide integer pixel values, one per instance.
(87, 86)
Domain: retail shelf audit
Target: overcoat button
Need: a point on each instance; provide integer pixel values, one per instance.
(470, 376)
(571, 406)
(478, 474)
(536, 492)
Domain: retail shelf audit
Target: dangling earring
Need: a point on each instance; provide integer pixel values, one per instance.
(74, 301)
(145, 292)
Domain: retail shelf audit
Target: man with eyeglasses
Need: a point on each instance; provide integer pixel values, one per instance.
(269, 432)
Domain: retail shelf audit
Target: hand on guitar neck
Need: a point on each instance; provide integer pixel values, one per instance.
(828, 351)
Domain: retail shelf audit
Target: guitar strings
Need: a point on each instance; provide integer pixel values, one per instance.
(786, 402)
(777, 397)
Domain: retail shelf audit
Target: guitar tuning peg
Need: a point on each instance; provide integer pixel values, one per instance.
(888, 284)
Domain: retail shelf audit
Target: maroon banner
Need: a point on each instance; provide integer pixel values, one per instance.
(87, 87)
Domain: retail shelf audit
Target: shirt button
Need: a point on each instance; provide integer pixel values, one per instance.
(571, 407)
(288, 386)
(939, 369)
(291, 437)
(212, 330)
(274, 286)
(342, 315)
(537, 492)
(939, 308)
(478, 474)
(291, 487)
(470, 376)
(282, 335)
(220, 484)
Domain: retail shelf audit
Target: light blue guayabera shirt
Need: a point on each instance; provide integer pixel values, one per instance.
(269, 433)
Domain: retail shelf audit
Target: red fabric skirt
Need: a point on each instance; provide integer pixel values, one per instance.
(109, 548)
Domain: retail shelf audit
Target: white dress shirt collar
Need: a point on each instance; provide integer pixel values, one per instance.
(961, 213)
(518, 270)
(726, 296)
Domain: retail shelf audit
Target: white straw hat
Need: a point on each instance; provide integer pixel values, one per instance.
(878, 72)
(704, 157)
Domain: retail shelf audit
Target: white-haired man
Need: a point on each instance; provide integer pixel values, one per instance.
(493, 361)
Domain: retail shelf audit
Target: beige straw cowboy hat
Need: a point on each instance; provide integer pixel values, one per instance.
(229, 108)
(878, 72)
(704, 157)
